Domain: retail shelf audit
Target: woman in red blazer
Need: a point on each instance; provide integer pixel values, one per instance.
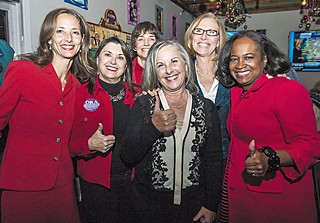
(37, 100)
(101, 112)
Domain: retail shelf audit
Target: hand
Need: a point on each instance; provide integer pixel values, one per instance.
(164, 121)
(153, 92)
(205, 216)
(100, 142)
(256, 162)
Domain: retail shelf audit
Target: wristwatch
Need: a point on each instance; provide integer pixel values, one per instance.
(273, 158)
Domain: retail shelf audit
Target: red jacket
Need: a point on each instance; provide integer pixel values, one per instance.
(275, 112)
(93, 168)
(40, 116)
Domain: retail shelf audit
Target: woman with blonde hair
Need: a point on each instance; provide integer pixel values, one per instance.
(203, 40)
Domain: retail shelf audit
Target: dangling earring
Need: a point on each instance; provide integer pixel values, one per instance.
(50, 46)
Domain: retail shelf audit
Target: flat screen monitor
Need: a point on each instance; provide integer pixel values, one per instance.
(230, 33)
(304, 50)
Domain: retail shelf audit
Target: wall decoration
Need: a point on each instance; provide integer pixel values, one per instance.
(107, 27)
(174, 27)
(159, 19)
(110, 20)
(133, 11)
(80, 3)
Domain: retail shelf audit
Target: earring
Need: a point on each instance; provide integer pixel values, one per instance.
(50, 46)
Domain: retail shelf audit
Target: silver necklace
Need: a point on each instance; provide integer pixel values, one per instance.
(119, 96)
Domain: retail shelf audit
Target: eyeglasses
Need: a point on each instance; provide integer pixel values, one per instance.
(209, 32)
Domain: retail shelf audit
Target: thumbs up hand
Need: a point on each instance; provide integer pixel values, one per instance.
(100, 142)
(165, 120)
(256, 162)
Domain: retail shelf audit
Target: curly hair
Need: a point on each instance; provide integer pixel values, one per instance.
(277, 61)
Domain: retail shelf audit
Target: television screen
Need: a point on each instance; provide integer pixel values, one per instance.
(230, 33)
(304, 50)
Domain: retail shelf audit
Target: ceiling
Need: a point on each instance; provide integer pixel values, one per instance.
(197, 7)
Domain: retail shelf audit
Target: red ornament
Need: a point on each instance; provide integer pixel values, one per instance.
(217, 6)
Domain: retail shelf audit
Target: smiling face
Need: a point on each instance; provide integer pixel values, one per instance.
(143, 44)
(111, 63)
(171, 69)
(67, 39)
(204, 45)
(246, 63)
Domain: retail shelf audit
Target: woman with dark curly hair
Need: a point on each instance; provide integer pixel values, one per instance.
(273, 136)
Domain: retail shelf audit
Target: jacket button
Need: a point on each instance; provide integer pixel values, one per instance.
(58, 140)
(61, 103)
(60, 121)
(55, 158)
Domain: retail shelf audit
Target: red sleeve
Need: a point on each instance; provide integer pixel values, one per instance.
(297, 120)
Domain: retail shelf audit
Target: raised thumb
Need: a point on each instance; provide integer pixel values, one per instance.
(157, 103)
(252, 147)
(100, 127)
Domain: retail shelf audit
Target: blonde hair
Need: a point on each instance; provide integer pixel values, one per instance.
(188, 36)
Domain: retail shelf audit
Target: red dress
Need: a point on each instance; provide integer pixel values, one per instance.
(275, 112)
(36, 157)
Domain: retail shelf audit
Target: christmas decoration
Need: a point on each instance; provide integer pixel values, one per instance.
(234, 13)
(310, 13)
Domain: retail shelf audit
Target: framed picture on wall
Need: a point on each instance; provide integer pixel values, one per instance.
(174, 27)
(133, 12)
(159, 19)
(80, 3)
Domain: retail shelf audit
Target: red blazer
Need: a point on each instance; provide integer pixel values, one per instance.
(90, 110)
(40, 116)
(275, 112)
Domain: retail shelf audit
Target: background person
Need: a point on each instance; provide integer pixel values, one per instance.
(174, 142)
(273, 146)
(6, 56)
(143, 36)
(101, 111)
(202, 40)
(315, 97)
(37, 100)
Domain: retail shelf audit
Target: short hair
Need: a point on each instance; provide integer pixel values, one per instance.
(150, 79)
(277, 61)
(142, 28)
(126, 53)
(188, 36)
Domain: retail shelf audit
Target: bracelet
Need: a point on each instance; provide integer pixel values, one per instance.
(273, 158)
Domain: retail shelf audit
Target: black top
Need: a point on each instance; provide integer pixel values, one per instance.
(120, 116)
(144, 146)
